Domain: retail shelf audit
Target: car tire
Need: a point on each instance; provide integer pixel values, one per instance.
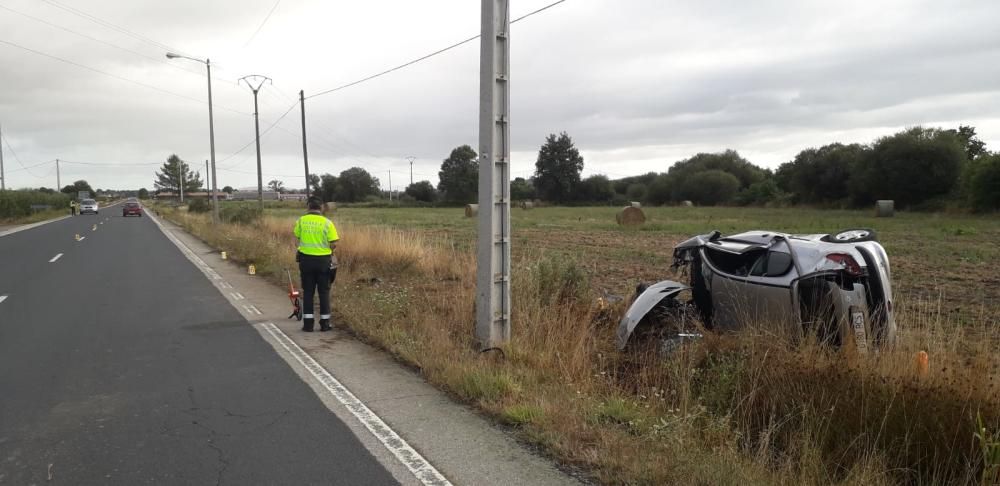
(852, 235)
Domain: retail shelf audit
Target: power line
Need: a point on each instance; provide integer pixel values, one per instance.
(122, 78)
(268, 129)
(105, 23)
(428, 56)
(261, 26)
(110, 164)
(110, 44)
(23, 167)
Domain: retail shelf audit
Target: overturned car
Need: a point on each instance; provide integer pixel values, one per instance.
(834, 286)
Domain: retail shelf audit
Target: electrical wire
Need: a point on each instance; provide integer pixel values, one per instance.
(110, 25)
(248, 144)
(122, 78)
(110, 44)
(428, 56)
(261, 26)
(18, 159)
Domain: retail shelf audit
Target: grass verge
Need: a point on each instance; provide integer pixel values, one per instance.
(747, 409)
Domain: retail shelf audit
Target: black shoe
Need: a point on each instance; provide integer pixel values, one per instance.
(307, 324)
(324, 325)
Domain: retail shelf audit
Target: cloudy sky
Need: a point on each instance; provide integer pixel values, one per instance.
(638, 84)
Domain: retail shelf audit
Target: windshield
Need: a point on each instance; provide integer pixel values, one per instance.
(89, 201)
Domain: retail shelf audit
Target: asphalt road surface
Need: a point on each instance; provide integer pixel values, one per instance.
(121, 364)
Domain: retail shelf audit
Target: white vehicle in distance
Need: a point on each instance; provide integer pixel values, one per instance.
(88, 206)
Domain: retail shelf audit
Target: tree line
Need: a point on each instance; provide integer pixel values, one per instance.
(919, 168)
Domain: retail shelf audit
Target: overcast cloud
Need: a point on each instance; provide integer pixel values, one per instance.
(638, 84)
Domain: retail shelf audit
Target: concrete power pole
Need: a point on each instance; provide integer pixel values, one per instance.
(180, 178)
(207, 181)
(3, 179)
(305, 151)
(411, 159)
(390, 185)
(58, 177)
(255, 82)
(493, 267)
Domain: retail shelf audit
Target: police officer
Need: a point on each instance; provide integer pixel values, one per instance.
(317, 238)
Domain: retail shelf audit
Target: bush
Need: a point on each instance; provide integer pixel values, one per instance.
(983, 183)
(17, 204)
(199, 206)
(710, 187)
(241, 214)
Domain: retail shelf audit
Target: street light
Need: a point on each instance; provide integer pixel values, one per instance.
(211, 130)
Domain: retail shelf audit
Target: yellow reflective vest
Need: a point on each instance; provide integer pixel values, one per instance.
(315, 233)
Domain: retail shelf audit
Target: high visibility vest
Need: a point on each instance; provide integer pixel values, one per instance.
(315, 233)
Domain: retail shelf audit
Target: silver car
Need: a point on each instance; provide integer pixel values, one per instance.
(88, 206)
(837, 287)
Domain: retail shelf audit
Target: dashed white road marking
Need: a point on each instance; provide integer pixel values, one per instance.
(420, 467)
(237, 295)
(252, 310)
(3, 298)
(225, 285)
(53, 260)
(82, 238)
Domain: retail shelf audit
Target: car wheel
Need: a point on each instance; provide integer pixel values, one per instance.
(854, 235)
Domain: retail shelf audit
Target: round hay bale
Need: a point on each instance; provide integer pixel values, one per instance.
(630, 216)
(635, 204)
(471, 210)
(885, 208)
(527, 205)
(687, 204)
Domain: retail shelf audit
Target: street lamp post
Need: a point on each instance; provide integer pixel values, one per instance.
(211, 130)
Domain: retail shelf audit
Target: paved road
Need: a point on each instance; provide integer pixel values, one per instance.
(121, 364)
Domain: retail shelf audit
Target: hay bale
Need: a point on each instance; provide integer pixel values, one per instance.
(630, 216)
(527, 205)
(471, 210)
(687, 204)
(885, 208)
(635, 204)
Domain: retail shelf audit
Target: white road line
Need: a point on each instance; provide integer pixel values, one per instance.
(237, 295)
(53, 260)
(225, 285)
(423, 470)
(82, 238)
(252, 310)
(3, 298)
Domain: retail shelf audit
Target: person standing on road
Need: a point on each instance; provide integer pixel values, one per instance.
(72, 207)
(317, 239)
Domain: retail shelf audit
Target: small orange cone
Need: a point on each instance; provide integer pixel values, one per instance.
(923, 363)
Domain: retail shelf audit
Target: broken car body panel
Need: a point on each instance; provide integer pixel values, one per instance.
(644, 303)
(838, 284)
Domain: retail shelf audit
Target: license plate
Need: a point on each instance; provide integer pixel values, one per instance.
(860, 333)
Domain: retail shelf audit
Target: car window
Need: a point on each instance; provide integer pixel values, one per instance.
(773, 264)
(734, 264)
(88, 201)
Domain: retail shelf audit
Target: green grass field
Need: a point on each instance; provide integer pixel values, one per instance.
(936, 258)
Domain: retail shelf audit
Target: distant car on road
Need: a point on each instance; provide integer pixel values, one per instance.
(131, 209)
(88, 206)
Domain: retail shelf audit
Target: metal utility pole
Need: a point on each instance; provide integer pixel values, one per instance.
(207, 182)
(493, 267)
(255, 82)
(411, 159)
(305, 151)
(390, 185)
(3, 178)
(58, 177)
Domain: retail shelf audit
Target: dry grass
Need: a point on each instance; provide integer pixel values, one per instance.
(747, 409)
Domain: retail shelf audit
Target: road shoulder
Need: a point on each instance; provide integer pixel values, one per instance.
(465, 447)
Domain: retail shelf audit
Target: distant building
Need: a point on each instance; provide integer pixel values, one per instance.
(252, 196)
(293, 197)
